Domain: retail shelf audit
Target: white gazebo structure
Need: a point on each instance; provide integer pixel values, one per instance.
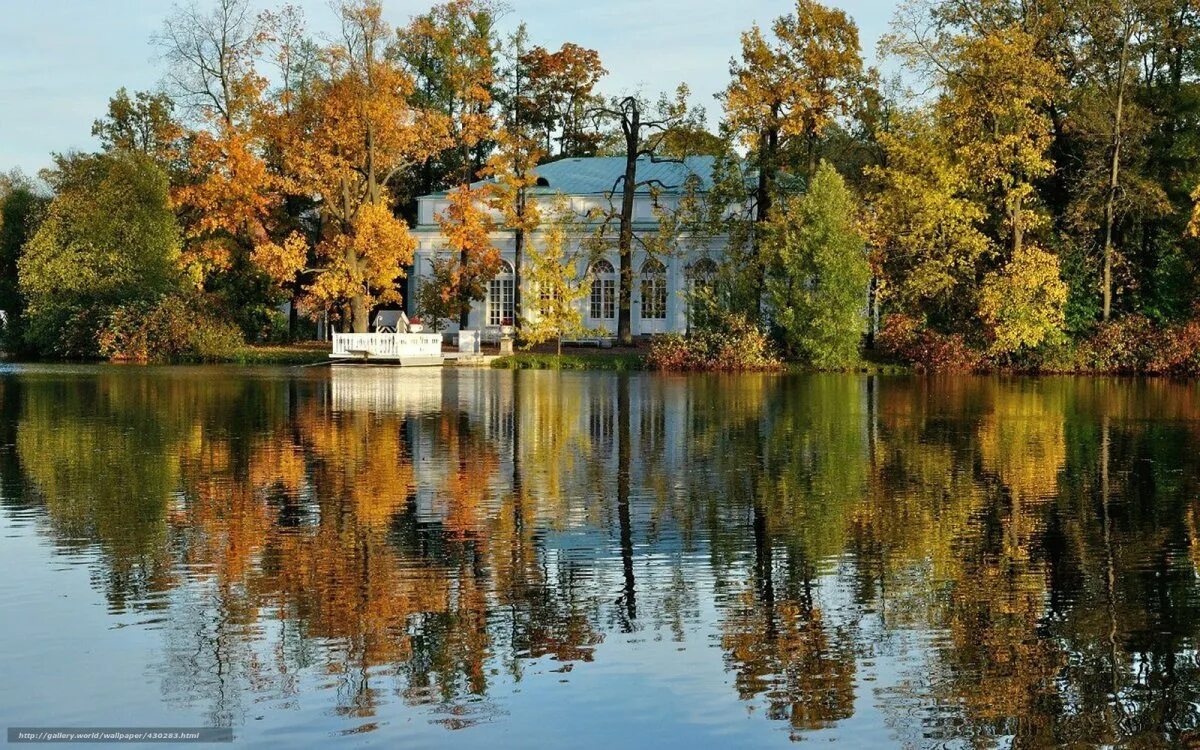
(395, 340)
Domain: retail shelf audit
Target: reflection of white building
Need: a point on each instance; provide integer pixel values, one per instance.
(378, 389)
(658, 301)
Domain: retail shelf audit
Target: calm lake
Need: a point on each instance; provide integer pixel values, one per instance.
(422, 559)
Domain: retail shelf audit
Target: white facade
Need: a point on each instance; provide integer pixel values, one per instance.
(659, 299)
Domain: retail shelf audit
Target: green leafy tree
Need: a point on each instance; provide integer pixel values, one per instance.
(817, 273)
(109, 238)
(437, 301)
(22, 207)
(925, 226)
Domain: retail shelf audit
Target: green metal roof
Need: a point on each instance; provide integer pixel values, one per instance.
(598, 175)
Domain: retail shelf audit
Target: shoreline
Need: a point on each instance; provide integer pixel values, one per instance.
(626, 360)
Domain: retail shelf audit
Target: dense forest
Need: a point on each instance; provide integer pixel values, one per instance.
(1017, 192)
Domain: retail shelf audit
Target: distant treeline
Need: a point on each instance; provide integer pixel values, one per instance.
(1021, 196)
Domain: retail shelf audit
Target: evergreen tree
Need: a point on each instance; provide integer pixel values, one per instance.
(817, 273)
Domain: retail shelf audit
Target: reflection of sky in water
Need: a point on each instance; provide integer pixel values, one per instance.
(346, 557)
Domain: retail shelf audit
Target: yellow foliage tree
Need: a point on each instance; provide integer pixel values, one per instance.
(924, 222)
(792, 87)
(557, 284)
(995, 110)
(1023, 304)
(511, 167)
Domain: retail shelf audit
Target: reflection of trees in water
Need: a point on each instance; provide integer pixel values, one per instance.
(1021, 523)
(1042, 534)
(806, 467)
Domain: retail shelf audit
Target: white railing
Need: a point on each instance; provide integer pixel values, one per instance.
(387, 345)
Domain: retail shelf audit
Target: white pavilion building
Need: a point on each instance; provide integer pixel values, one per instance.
(659, 304)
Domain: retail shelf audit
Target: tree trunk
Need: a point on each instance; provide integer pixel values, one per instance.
(464, 314)
(293, 318)
(1114, 174)
(1018, 228)
(625, 242)
(360, 313)
(764, 196)
(812, 158)
(464, 301)
(518, 251)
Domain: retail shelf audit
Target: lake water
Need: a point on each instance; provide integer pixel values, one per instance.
(413, 558)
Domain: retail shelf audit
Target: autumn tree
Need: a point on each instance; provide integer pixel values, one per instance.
(298, 62)
(450, 54)
(557, 283)
(142, 122)
(817, 273)
(925, 225)
(1022, 304)
(511, 191)
(468, 229)
(994, 107)
(993, 112)
(788, 89)
(355, 134)
(562, 93)
(227, 193)
(519, 150)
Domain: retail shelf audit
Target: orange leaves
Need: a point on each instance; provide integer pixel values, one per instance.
(233, 190)
(561, 86)
(355, 129)
(204, 259)
(795, 84)
(457, 279)
(468, 229)
(358, 126)
(282, 262)
(366, 263)
(467, 225)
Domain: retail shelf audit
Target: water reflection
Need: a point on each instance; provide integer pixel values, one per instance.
(974, 562)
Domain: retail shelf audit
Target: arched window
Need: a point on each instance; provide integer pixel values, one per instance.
(654, 290)
(701, 274)
(604, 291)
(500, 296)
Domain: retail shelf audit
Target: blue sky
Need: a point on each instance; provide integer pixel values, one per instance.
(60, 60)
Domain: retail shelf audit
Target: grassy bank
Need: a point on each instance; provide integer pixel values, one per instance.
(629, 360)
(303, 353)
(600, 360)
